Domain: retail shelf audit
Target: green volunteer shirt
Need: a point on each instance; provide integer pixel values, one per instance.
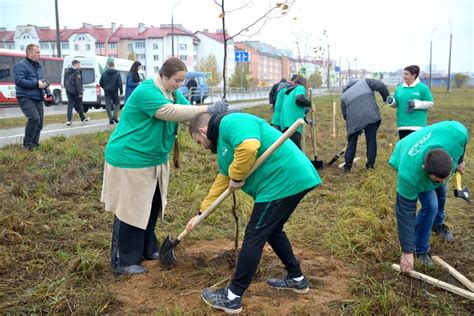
(410, 152)
(403, 95)
(140, 140)
(286, 172)
(290, 111)
(278, 105)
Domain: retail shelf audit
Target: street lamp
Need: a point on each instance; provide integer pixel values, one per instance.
(172, 27)
(431, 56)
(449, 63)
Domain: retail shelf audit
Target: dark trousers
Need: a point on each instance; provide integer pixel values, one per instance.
(404, 133)
(370, 132)
(131, 244)
(112, 99)
(33, 111)
(266, 225)
(296, 138)
(74, 101)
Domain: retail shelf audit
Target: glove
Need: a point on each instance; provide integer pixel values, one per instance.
(389, 100)
(218, 107)
(411, 106)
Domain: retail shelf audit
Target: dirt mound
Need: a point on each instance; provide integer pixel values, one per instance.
(206, 264)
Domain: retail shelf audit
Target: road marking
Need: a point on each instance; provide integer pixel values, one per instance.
(58, 130)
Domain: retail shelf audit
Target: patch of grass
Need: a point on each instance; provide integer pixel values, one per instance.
(55, 234)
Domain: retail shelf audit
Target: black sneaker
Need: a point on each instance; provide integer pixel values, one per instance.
(424, 259)
(217, 298)
(369, 166)
(289, 284)
(443, 232)
(111, 122)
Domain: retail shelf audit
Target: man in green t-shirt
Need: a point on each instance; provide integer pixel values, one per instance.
(412, 100)
(277, 187)
(424, 160)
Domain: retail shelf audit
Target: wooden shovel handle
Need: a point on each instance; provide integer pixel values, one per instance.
(313, 127)
(257, 164)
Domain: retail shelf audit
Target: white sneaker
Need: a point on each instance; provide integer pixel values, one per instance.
(87, 119)
(68, 123)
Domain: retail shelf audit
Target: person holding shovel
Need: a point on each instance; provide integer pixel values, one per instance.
(424, 160)
(277, 187)
(361, 113)
(295, 106)
(136, 170)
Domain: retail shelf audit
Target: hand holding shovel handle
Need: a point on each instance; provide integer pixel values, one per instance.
(167, 257)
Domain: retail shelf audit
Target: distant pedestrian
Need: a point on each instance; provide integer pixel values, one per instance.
(29, 85)
(272, 96)
(111, 82)
(361, 113)
(412, 99)
(192, 86)
(279, 101)
(74, 90)
(133, 80)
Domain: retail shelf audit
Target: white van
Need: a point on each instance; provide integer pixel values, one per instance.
(92, 68)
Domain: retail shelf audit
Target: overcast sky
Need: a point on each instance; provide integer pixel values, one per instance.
(383, 35)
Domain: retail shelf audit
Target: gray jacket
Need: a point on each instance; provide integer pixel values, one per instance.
(358, 105)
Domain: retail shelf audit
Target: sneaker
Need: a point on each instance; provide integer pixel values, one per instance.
(424, 259)
(347, 170)
(129, 270)
(443, 232)
(115, 119)
(369, 166)
(290, 284)
(68, 123)
(217, 298)
(87, 119)
(111, 122)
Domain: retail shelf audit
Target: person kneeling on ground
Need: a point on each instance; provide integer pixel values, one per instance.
(277, 187)
(425, 160)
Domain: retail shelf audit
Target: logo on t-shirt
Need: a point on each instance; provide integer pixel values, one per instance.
(419, 145)
(416, 93)
(224, 151)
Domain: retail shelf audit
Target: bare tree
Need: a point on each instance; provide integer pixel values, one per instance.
(283, 7)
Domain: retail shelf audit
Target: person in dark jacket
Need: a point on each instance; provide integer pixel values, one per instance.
(74, 91)
(133, 80)
(29, 85)
(111, 82)
(274, 93)
(192, 86)
(361, 113)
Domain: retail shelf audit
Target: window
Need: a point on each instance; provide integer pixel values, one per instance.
(140, 44)
(81, 38)
(22, 47)
(76, 46)
(44, 45)
(112, 45)
(130, 46)
(114, 56)
(65, 45)
(156, 57)
(183, 46)
(26, 36)
(155, 46)
(156, 69)
(12, 46)
(183, 57)
(141, 56)
(88, 75)
(99, 45)
(88, 46)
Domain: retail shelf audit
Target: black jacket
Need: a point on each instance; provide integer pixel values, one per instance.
(274, 92)
(73, 81)
(111, 81)
(27, 74)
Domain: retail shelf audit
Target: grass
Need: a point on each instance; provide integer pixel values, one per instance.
(55, 235)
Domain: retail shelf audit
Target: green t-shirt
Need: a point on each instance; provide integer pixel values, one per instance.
(290, 111)
(409, 154)
(140, 140)
(403, 95)
(278, 105)
(286, 172)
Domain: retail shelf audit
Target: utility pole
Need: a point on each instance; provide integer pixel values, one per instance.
(329, 69)
(58, 38)
(449, 63)
(172, 27)
(431, 56)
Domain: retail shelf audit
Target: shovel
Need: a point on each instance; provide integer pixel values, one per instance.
(318, 164)
(336, 157)
(167, 256)
(461, 192)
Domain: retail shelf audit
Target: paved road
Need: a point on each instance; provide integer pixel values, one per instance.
(15, 135)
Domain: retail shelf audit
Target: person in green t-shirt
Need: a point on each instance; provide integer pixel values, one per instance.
(295, 105)
(277, 187)
(412, 100)
(424, 161)
(136, 170)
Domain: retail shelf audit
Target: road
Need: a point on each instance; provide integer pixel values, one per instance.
(15, 135)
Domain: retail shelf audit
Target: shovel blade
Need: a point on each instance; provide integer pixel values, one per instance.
(463, 194)
(317, 164)
(167, 255)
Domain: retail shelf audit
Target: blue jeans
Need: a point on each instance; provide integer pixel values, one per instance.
(431, 213)
(33, 111)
